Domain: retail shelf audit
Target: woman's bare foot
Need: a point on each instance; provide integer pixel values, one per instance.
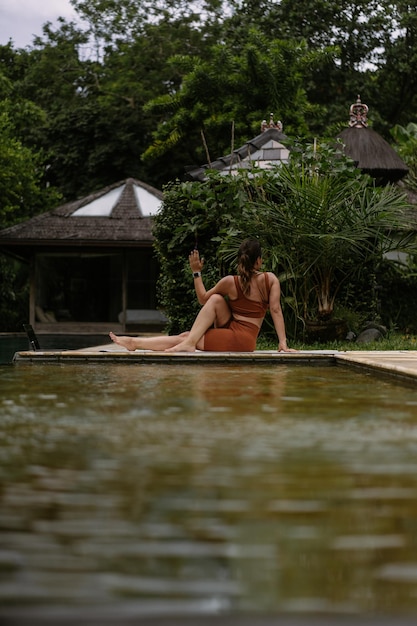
(126, 342)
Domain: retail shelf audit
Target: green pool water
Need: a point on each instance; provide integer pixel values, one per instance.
(176, 490)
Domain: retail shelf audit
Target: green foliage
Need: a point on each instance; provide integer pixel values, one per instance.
(323, 227)
(231, 86)
(406, 145)
(14, 294)
(146, 88)
(17, 175)
(396, 67)
(193, 215)
(23, 194)
(21, 173)
(394, 340)
(111, 23)
(130, 89)
(397, 292)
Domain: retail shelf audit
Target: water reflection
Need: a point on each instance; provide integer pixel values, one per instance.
(160, 489)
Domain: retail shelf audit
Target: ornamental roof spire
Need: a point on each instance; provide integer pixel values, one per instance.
(272, 124)
(358, 114)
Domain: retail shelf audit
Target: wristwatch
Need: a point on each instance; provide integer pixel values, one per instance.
(197, 274)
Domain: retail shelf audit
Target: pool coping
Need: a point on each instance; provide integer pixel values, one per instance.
(398, 364)
(401, 364)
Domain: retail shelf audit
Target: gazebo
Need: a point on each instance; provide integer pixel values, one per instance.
(92, 265)
(371, 153)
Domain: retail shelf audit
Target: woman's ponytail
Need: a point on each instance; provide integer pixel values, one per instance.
(248, 254)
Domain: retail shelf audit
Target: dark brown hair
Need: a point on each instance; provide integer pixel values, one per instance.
(249, 252)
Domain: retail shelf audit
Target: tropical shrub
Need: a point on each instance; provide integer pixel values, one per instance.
(193, 215)
(323, 226)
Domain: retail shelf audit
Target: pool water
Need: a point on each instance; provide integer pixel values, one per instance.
(209, 489)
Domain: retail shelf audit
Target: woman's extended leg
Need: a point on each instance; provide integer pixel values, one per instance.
(148, 343)
(216, 311)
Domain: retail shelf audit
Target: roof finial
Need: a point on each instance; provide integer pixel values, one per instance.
(272, 124)
(358, 114)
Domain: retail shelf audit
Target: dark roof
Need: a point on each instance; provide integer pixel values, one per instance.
(273, 153)
(127, 222)
(372, 154)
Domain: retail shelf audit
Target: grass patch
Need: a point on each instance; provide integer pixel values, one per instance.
(393, 341)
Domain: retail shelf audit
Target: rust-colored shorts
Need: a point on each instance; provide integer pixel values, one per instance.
(237, 336)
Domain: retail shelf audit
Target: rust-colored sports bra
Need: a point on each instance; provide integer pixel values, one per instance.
(245, 306)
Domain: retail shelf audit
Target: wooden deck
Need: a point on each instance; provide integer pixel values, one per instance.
(400, 364)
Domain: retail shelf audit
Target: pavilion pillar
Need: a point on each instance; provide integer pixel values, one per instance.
(32, 289)
(124, 288)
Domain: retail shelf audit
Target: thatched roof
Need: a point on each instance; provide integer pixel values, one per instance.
(265, 150)
(371, 153)
(119, 215)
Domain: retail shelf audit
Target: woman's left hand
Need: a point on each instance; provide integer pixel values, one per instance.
(196, 263)
(284, 348)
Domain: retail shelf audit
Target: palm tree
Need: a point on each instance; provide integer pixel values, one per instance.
(325, 228)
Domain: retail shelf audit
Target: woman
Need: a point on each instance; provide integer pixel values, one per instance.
(222, 325)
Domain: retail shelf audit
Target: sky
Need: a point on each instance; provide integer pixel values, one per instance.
(20, 20)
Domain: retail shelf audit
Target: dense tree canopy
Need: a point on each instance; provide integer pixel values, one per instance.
(22, 175)
(145, 88)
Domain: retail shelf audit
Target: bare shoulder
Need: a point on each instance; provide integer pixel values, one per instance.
(227, 280)
(274, 286)
(225, 284)
(272, 278)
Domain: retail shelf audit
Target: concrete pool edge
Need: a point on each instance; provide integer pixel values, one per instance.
(395, 364)
(400, 364)
(113, 354)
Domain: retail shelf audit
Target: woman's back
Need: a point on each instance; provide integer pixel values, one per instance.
(248, 306)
